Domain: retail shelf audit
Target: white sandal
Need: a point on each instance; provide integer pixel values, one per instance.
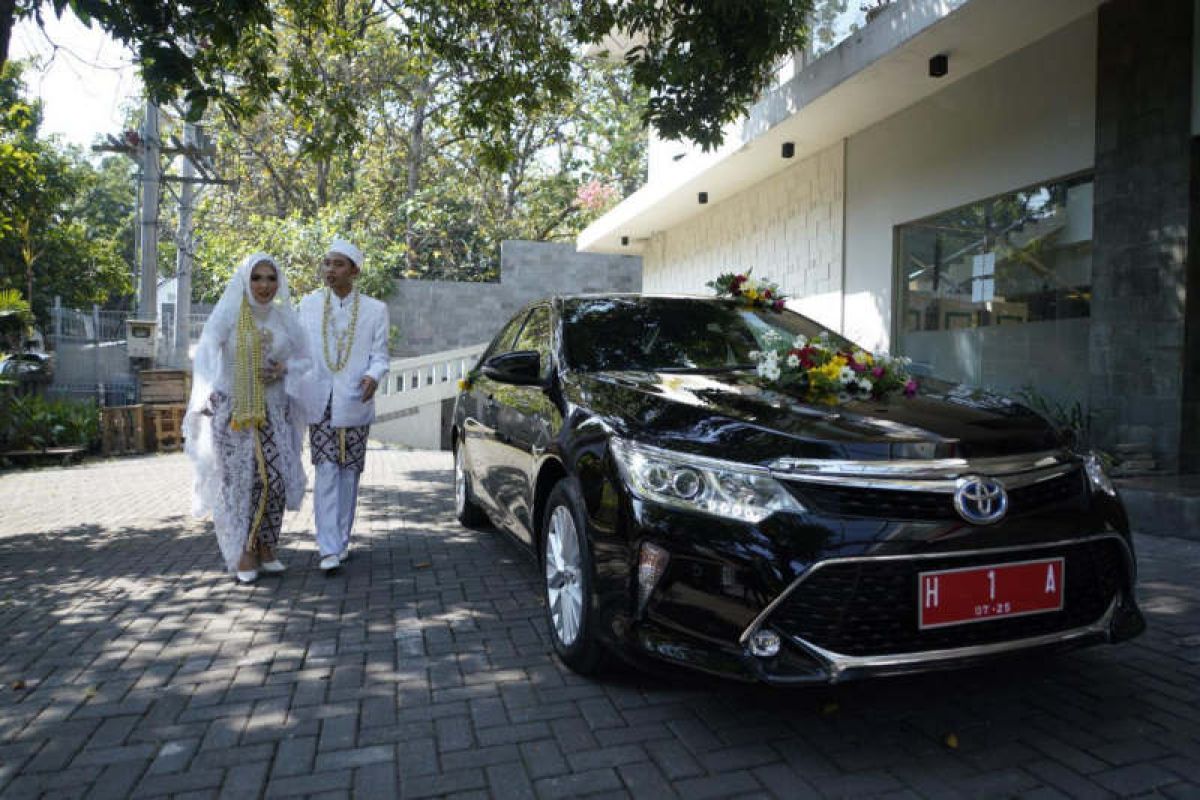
(247, 575)
(272, 567)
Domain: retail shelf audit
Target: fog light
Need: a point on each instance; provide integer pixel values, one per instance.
(764, 644)
(652, 563)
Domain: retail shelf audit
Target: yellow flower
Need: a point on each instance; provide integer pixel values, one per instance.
(752, 294)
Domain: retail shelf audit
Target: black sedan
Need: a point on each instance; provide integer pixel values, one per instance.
(685, 508)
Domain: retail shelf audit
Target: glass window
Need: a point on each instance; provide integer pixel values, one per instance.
(503, 339)
(994, 292)
(536, 335)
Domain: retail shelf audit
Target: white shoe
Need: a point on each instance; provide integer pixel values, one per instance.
(272, 567)
(330, 563)
(247, 575)
(344, 556)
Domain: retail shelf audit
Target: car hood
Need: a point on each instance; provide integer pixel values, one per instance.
(730, 415)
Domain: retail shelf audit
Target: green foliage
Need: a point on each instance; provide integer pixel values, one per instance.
(1071, 418)
(409, 182)
(33, 422)
(700, 65)
(703, 64)
(16, 318)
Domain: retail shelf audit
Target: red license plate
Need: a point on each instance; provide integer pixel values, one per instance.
(977, 594)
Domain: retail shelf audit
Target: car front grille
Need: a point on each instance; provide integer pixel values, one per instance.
(860, 501)
(869, 607)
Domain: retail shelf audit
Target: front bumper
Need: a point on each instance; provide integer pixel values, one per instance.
(829, 637)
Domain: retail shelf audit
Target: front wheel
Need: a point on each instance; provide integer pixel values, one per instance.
(567, 563)
(466, 509)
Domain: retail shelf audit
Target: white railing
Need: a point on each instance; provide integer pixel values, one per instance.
(424, 379)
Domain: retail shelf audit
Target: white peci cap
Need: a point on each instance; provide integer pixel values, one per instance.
(344, 248)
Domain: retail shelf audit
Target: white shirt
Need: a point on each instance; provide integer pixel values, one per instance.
(368, 357)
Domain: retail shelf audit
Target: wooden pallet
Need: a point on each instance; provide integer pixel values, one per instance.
(164, 386)
(122, 430)
(164, 426)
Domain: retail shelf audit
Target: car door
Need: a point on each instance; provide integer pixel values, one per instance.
(479, 420)
(525, 423)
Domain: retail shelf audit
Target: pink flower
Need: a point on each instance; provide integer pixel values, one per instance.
(878, 372)
(910, 387)
(777, 305)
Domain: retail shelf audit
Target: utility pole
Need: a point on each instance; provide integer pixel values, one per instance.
(149, 158)
(185, 246)
(147, 149)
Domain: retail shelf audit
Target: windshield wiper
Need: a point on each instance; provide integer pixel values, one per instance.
(706, 370)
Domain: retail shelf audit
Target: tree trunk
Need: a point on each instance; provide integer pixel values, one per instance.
(8, 14)
(416, 154)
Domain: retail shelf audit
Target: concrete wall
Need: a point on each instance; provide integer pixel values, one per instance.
(442, 315)
(788, 229)
(1024, 120)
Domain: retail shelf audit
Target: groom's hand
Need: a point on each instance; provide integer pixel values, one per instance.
(367, 387)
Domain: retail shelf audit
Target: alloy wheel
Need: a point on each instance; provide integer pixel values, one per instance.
(564, 589)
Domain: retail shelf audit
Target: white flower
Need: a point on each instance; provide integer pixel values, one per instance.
(755, 355)
(800, 340)
(864, 384)
(772, 335)
(772, 372)
(793, 361)
(847, 375)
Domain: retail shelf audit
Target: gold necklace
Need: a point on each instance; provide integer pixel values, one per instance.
(343, 341)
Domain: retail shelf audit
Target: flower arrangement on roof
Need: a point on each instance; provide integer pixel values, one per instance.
(829, 373)
(751, 291)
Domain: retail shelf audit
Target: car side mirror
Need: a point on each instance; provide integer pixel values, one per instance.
(520, 367)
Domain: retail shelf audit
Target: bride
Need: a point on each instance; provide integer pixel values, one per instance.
(242, 427)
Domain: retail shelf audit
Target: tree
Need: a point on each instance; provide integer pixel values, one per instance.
(411, 178)
(700, 63)
(60, 218)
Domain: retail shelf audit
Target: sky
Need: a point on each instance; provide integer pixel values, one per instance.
(86, 81)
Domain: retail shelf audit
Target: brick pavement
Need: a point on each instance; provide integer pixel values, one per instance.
(133, 667)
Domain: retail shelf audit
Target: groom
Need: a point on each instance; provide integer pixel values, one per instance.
(347, 339)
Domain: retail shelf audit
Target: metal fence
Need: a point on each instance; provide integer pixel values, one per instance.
(91, 358)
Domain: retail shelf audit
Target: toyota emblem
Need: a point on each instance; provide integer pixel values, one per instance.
(980, 500)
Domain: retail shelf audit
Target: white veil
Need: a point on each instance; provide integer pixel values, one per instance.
(209, 374)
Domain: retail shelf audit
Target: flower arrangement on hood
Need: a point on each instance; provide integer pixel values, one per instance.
(749, 290)
(830, 373)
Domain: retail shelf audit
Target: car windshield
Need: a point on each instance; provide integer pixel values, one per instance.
(672, 334)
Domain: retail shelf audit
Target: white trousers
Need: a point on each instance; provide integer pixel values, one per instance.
(335, 497)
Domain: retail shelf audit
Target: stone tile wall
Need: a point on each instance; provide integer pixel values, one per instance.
(442, 315)
(788, 228)
(1140, 281)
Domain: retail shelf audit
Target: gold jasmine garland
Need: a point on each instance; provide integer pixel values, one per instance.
(249, 398)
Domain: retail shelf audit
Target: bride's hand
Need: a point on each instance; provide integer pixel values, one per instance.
(272, 371)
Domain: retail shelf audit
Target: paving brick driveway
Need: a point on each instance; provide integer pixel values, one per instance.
(131, 666)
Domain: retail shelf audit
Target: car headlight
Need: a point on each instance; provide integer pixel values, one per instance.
(1096, 473)
(723, 488)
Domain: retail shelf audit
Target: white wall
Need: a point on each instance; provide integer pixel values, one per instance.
(1024, 120)
(788, 229)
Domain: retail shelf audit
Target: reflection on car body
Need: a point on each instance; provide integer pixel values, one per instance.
(685, 512)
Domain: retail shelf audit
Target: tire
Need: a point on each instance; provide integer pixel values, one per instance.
(567, 579)
(466, 508)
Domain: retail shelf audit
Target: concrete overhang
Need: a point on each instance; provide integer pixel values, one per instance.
(873, 74)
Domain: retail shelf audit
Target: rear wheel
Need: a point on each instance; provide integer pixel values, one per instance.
(466, 509)
(567, 567)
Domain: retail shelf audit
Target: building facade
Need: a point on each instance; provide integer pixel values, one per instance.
(1000, 189)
